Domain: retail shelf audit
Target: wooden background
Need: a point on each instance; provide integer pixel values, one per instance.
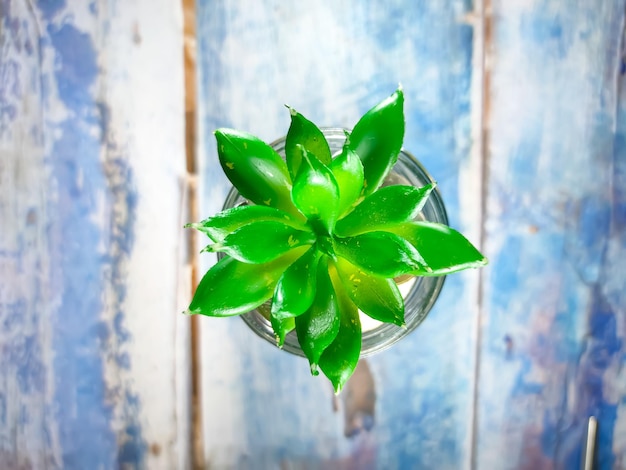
(517, 109)
(94, 368)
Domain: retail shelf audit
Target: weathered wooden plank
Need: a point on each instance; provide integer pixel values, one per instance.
(332, 61)
(553, 349)
(91, 172)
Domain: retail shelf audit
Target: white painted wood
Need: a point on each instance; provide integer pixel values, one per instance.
(27, 297)
(147, 102)
(95, 367)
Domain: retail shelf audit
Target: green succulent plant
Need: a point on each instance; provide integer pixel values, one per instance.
(321, 238)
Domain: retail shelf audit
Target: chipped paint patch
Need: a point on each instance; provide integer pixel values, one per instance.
(83, 410)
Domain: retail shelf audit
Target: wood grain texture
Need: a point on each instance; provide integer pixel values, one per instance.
(332, 61)
(93, 371)
(553, 338)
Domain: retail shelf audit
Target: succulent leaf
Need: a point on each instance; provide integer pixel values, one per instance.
(377, 139)
(444, 249)
(318, 326)
(348, 171)
(220, 292)
(315, 191)
(384, 254)
(388, 206)
(263, 241)
(295, 291)
(377, 297)
(340, 358)
(281, 327)
(304, 132)
(255, 169)
(221, 225)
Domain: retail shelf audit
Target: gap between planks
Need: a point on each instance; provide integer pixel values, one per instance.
(482, 17)
(189, 15)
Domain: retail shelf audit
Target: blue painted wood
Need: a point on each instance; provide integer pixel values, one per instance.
(332, 61)
(78, 144)
(553, 339)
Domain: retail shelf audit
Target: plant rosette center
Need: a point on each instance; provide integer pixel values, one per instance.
(322, 238)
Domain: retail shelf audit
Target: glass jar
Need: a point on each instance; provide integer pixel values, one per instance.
(420, 293)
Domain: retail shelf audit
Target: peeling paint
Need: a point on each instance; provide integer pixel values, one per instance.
(49, 8)
(69, 204)
(553, 147)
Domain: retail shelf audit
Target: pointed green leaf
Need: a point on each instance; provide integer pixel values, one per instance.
(255, 169)
(304, 132)
(381, 253)
(387, 206)
(295, 291)
(263, 241)
(315, 191)
(377, 139)
(282, 327)
(319, 325)
(231, 287)
(376, 296)
(444, 249)
(226, 222)
(340, 358)
(348, 171)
